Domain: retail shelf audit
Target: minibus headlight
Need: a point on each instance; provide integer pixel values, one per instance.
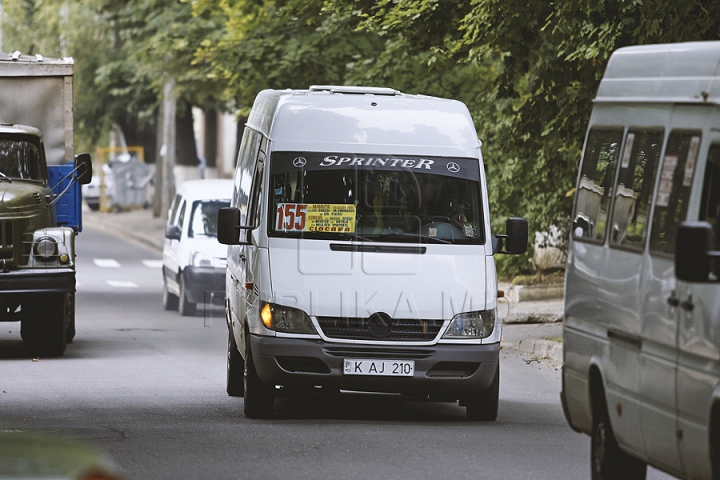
(285, 319)
(478, 324)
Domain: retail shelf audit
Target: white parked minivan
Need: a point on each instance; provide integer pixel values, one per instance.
(193, 260)
(641, 339)
(360, 253)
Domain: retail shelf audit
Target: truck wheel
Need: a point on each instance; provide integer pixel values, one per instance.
(187, 308)
(44, 330)
(170, 300)
(259, 397)
(483, 406)
(235, 368)
(606, 459)
(70, 333)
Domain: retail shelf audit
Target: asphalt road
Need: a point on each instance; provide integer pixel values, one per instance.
(148, 387)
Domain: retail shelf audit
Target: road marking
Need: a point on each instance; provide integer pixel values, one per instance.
(153, 263)
(121, 284)
(106, 262)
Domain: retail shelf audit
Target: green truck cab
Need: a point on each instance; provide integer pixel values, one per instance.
(40, 202)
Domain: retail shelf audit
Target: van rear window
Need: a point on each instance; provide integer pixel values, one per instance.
(375, 198)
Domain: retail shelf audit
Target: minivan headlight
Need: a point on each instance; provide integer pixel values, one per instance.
(478, 324)
(285, 319)
(200, 259)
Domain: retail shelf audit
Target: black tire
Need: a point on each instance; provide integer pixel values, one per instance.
(607, 461)
(44, 329)
(170, 300)
(70, 332)
(235, 369)
(483, 406)
(259, 396)
(186, 308)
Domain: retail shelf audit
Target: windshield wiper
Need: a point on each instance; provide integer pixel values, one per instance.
(5, 177)
(416, 235)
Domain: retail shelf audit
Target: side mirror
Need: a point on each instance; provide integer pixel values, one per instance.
(693, 251)
(173, 232)
(83, 164)
(229, 227)
(516, 237)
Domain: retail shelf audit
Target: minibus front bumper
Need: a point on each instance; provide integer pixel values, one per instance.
(443, 371)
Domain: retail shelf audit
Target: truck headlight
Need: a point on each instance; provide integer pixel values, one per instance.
(478, 324)
(45, 248)
(285, 319)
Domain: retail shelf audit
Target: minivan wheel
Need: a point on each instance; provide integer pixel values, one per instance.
(483, 406)
(606, 458)
(187, 308)
(170, 300)
(259, 396)
(235, 368)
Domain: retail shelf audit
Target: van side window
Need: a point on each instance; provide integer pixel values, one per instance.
(710, 206)
(181, 217)
(673, 192)
(254, 207)
(634, 188)
(174, 209)
(595, 184)
(245, 169)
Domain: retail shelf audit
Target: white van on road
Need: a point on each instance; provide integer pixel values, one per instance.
(360, 254)
(641, 340)
(193, 261)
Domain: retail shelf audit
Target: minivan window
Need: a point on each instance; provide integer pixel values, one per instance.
(204, 217)
(375, 198)
(634, 188)
(673, 192)
(710, 206)
(595, 184)
(181, 216)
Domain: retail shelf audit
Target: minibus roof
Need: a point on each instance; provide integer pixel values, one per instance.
(364, 120)
(668, 73)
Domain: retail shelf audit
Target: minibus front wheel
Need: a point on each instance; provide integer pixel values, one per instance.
(259, 396)
(483, 406)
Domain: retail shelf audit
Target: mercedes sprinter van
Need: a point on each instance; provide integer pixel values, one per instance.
(641, 370)
(360, 252)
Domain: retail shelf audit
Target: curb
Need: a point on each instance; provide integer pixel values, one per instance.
(542, 348)
(533, 318)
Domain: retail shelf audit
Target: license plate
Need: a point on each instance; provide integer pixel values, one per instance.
(386, 368)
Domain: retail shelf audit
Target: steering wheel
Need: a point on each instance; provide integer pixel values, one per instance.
(451, 221)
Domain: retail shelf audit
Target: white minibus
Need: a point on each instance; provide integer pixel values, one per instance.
(360, 253)
(641, 371)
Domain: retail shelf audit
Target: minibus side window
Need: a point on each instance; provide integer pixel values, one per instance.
(597, 177)
(673, 192)
(634, 188)
(710, 206)
(244, 174)
(254, 207)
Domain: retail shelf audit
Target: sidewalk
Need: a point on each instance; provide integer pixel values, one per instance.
(533, 327)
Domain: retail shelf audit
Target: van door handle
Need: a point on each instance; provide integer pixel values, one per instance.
(234, 280)
(242, 257)
(673, 301)
(688, 304)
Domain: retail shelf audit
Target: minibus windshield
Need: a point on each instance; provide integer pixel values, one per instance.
(375, 198)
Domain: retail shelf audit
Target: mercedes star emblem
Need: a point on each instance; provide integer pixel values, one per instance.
(453, 167)
(299, 162)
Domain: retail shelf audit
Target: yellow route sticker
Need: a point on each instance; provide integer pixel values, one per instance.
(315, 217)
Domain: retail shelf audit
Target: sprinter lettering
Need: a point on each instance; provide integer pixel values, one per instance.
(337, 161)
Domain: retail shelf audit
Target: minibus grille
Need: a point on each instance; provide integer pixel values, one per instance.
(378, 327)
